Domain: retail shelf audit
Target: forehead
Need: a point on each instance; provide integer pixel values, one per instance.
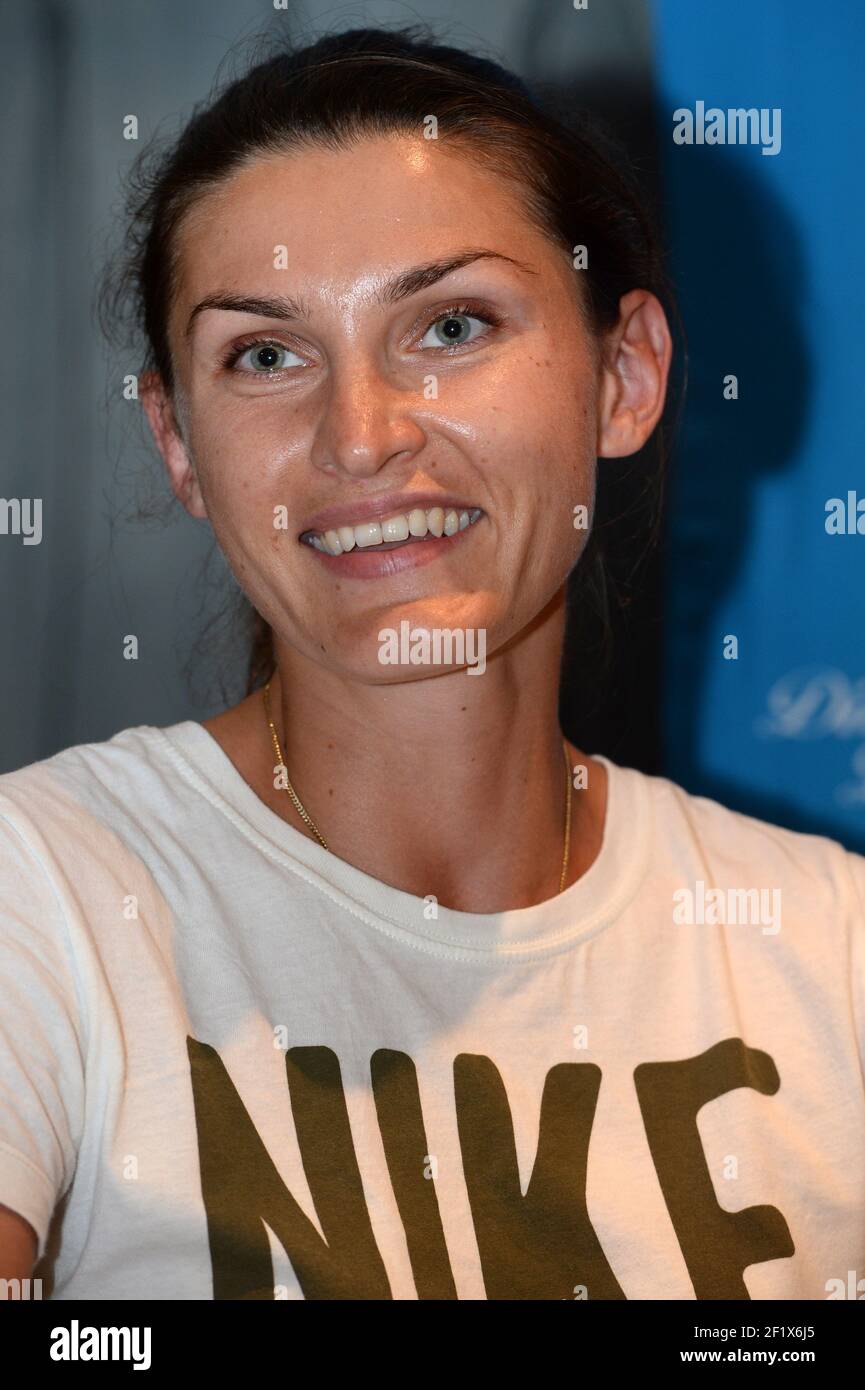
(350, 216)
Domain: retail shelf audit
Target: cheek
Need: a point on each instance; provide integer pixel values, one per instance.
(241, 467)
(555, 463)
(549, 394)
(549, 436)
(240, 504)
(567, 438)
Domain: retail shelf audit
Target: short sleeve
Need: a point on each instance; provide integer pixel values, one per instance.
(41, 1047)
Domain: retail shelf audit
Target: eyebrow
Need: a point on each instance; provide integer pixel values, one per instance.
(399, 287)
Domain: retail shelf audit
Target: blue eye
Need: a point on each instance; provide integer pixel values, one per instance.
(265, 357)
(453, 328)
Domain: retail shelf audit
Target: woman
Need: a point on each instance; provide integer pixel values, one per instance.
(373, 986)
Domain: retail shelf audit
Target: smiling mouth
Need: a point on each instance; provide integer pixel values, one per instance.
(392, 532)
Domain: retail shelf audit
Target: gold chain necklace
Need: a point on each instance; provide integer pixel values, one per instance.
(308, 820)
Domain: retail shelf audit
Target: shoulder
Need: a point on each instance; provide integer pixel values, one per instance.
(84, 796)
(709, 840)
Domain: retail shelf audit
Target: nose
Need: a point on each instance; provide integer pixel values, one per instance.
(365, 422)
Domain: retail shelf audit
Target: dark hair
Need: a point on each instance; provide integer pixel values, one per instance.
(573, 179)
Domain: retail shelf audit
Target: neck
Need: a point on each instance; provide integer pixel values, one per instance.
(452, 786)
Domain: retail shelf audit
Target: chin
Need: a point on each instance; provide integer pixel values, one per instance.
(411, 642)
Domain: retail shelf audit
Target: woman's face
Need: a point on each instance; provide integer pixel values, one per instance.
(365, 398)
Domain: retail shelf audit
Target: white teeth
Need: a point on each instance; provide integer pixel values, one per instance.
(368, 534)
(435, 521)
(395, 529)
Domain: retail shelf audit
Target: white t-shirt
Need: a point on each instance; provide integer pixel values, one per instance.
(234, 1066)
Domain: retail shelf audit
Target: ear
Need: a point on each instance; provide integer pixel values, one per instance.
(162, 415)
(635, 367)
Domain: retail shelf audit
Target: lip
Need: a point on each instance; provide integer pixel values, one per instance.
(375, 508)
(379, 564)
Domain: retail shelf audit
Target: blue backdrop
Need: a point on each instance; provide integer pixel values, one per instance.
(767, 254)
